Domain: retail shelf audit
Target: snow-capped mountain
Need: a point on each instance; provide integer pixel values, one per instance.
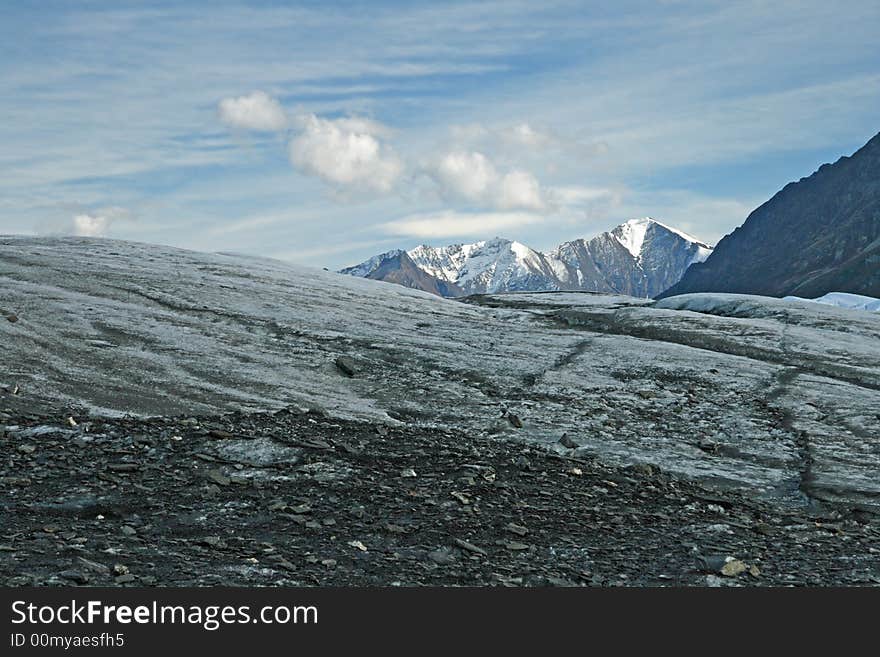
(397, 267)
(641, 257)
(487, 266)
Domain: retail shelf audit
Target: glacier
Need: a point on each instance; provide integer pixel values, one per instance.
(776, 398)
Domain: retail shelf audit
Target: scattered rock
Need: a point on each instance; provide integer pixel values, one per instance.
(408, 473)
(358, 545)
(733, 568)
(515, 546)
(94, 566)
(442, 557)
(470, 547)
(218, 477)
(347, 366)
(11, 317)
(643, 469)
(567, 442)
(75, 576)
(514, 421)
(519, 530)
(123, 467)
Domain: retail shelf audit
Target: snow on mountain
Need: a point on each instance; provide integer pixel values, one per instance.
(487, 266)
(843, 300)
(367, 267)
(641, 257)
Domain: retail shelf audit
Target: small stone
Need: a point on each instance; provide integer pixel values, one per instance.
(519, 530)
(514, 421)
(123, 467)
(515, 546)
(357, 544)
(71, 422)
(26, 449)
(120, 569)
(461, 497)
(218, 478)
(707, 445)
(329, 563)
(94, 566)
(408, 473)
(642, 469)
(347, 366)
(128, 530)
(470, 547)
(11, 317)
(567, 442)
(74, 576)
(128, 578)
(220, 434)
(442, 557)
(733, 568)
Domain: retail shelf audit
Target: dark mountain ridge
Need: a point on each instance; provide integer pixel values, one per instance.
(817, 235)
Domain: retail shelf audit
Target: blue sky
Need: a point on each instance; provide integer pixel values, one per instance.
(323, 133)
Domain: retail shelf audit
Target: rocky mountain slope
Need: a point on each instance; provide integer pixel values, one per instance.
(641, 257)
(818, 235)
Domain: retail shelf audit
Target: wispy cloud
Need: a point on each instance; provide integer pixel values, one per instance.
(582, 115)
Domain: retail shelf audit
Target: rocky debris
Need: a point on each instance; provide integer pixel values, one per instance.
(12, 318)
(483, 510)
(567, 442)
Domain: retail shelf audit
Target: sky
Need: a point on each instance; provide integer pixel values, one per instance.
(323, 133)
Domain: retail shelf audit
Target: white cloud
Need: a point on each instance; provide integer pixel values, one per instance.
(471, 176)
(84, 223)
(255, 111)
(346, 152)
(454, 224)
(520, 189)
(90, 225)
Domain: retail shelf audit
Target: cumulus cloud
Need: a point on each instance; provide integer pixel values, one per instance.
(445, 224)
(255, 111)
(346, 152)
(471, 176)
(85, 223)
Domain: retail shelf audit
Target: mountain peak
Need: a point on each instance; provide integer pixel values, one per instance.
(654, 257)
(631, 234)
